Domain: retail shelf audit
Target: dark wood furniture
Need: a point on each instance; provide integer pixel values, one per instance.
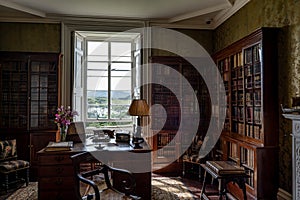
(57, 178)
(250, 135)
(224, 179)
(12, 169)
(38, 140)
(29, 89)
(127, 181)
(168, 139)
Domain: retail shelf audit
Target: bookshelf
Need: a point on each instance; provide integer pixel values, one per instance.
(29, 89)
(250, 133)
(168, 140)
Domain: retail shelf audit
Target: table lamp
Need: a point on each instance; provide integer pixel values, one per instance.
(139, 108)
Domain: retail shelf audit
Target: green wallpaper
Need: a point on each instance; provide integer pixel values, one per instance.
(203, 37)
(30, 37)
(272, 13)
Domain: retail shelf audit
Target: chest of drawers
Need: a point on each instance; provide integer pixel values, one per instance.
(56, 175)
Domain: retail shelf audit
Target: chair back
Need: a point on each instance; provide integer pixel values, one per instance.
(8, 149)
(126, 179)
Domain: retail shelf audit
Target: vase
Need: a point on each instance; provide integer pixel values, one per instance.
(63, 133)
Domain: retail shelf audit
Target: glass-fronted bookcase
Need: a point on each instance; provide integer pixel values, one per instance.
(250, 133)
(29, 89)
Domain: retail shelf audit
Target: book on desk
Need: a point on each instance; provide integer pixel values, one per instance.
(225, 167)
(59, 146)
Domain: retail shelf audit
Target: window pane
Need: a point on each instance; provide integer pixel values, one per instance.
(121, 83)
(97, 83)
(119, 112)
(121, 58)
(121, 66)
(97, 51)
(121, 51)
(97, 73)
(97, 65)
(97, 104)
(120, 101)
(120, 97)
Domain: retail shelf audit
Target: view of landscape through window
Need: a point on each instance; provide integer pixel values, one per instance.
(108, 80)
(105, 76)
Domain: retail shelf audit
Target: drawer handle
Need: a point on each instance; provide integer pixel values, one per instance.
(59, 181)
(59, 170)
(59, 158)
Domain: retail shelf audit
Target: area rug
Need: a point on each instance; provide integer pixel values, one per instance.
(163, 188)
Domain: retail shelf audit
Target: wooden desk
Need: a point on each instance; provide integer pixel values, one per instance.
(238, 178)
(56, 175)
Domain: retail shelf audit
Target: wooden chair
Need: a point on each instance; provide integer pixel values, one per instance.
(103, 171)
(11, 168)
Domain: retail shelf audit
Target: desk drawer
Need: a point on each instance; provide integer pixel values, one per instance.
(55, 159)
(56, 183)
(56, 171)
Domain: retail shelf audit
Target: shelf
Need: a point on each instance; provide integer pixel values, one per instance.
(251, 134)
(28, 89)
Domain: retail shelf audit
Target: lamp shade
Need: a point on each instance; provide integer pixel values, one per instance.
(138, 107)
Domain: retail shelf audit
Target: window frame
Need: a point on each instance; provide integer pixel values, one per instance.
(134, 53)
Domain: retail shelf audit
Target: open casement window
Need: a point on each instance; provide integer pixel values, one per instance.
(105, 76)
(78, 76)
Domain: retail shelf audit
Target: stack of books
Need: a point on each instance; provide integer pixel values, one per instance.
(59, 146)
(225, 167)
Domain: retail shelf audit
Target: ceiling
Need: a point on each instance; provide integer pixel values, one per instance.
(207, 14)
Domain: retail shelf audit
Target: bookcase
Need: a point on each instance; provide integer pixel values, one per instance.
(29, 88)
(168, 140)
(250, 133)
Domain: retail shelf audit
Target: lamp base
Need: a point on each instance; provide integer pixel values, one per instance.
(137, 146)
(137, 141)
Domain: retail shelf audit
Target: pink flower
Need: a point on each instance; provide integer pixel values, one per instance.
(64, 116)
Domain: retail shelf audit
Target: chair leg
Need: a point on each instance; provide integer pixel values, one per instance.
(6, 183)
(27, 176)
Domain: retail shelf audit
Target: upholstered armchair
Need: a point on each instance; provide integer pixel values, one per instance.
(12, 170)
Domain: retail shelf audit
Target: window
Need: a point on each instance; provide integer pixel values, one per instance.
(105, 76)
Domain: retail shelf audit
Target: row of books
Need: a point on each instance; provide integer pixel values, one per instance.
(233, 150)
(252, 54)
(164, 139)
(238, 128)
(166, 153)
(253, 131)
(247, 157)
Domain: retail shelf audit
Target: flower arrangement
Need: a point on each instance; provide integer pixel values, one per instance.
(64, 116)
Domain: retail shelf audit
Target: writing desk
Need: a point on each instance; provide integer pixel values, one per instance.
(56, 175)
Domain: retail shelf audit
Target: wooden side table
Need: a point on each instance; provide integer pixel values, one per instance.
(239, 178)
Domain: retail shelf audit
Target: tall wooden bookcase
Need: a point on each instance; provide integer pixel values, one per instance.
(250, 134)
(28, 100)
(165, 126)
